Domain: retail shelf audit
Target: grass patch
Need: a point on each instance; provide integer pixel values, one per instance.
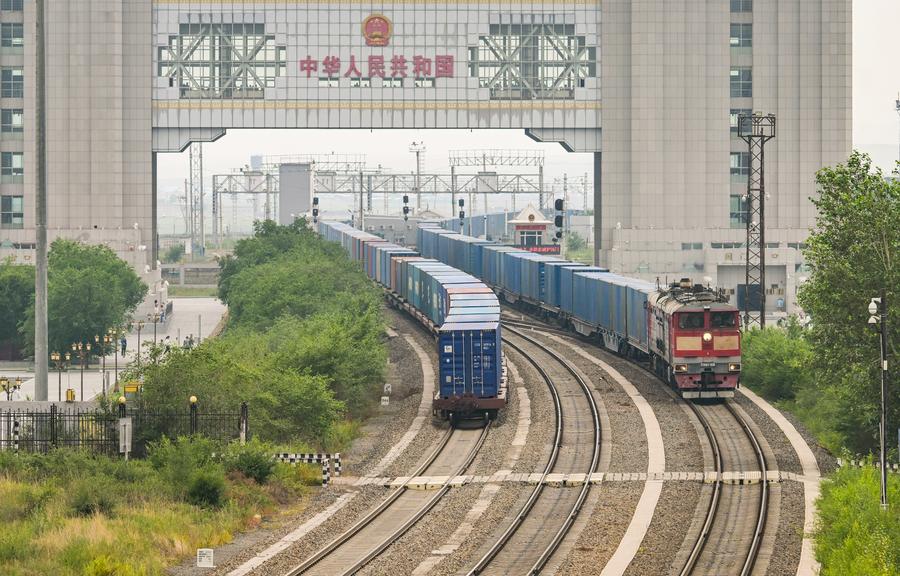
(176, 291)
(854, 536)
(71, 513)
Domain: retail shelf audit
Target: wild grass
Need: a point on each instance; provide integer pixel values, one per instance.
(146, 522)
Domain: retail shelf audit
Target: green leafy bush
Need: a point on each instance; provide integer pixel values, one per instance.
(854, 535)
(91, 496)
(777, 362)
(177, 461)
(253, 460)
(207, 487)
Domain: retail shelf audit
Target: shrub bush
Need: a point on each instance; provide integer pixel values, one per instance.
(177, 461)
(91, 496)
(207, 487)
(253, 460)
(854, 535)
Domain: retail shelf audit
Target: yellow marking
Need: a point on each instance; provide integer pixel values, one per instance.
(689, 343)
(373, 5)
(725, 342)
(190, 104)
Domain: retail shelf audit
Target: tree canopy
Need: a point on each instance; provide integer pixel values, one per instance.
(853, 254)
(303, 344)
(16, 295)
(90, 290)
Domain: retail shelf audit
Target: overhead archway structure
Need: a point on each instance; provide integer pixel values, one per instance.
(223, 65)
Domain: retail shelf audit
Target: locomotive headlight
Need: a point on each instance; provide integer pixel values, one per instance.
(681, 367)
(707, 337)
(734, 367)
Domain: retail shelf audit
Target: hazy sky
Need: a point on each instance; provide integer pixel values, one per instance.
(876, 82)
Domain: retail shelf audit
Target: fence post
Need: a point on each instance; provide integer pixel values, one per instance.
(16, 433)
(53, 433)
(244, 426)
(326, 473)
(193, 415)
(337, 463)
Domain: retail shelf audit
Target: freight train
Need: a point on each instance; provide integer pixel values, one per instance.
(457, 308)
(688, 332)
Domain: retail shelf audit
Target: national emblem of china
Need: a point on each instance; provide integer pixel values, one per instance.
(377, 30)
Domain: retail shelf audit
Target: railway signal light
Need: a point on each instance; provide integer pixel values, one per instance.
(558, 204)
(558, 221)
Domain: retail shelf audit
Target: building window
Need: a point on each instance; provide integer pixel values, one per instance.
(741, 35)
(222, 60)
(424, 83)
(328, 82)
(11, 35)
(11, 83)
(740, 163)
(742, 5)
(737, 217)
(532, 61)
(741, 82)
(736, 113)
(392, 82)
(11, 120)
(530, 238)
(360, 82)
(11, 164)
(11, 213)
(11, 5)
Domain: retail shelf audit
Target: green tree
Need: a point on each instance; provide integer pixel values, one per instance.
(173, 254)
(777, 362)
(853, 254)
(90, 290)
(575, 242)
(16, 295)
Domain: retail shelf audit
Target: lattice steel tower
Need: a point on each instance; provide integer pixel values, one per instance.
(756, 130)
(198, 233)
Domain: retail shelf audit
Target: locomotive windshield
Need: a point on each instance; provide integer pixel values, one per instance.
(690, 320)
(723, 319)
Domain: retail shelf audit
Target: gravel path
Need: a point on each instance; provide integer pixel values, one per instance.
(682, 444)
(543, 419)
(785, 455)
(625, 438)
(678, 502)
(786, 552)
(604, 530)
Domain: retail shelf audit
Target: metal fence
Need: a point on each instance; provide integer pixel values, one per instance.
(98, 431)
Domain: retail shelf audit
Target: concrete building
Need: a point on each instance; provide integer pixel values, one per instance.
(675, 77)
(130, 79)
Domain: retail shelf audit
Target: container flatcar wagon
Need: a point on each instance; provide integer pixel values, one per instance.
(688, 332)
(458, 308)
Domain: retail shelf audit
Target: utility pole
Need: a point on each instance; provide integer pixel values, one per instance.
(897, 107)
(41, 332)
(418, 148)
(878, 314)
(756, 130)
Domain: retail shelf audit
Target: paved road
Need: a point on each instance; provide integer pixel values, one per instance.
(190, 316)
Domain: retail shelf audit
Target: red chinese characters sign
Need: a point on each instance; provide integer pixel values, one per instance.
(542, 248)
(397, 66)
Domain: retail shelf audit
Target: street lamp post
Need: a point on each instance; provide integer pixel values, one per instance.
(140, 325)
(878, 315)
(7, 386)
(114, 338)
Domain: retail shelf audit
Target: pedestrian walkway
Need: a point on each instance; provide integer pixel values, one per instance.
(195, 317)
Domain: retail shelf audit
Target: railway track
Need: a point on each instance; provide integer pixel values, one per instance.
(529, 542)
(395, 515)
(729, 540)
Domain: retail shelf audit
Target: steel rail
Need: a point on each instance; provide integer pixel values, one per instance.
(585, 488)
(764, 499)
(762, 514)
(445, 487)
(713, 502)
(372, 515)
